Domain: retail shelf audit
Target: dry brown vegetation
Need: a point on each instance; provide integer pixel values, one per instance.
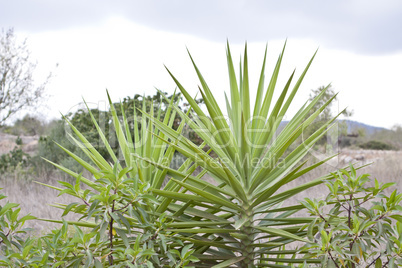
(8, 142)
(37, 199)
(385, 166)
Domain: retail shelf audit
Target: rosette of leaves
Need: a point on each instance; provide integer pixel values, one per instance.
(115, 205)
(358, 225)
(238, 220)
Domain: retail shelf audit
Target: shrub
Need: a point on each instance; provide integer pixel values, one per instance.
(356, 224)
(12, 244)
(376, 145)
(111, 241)
(27, 126)
(18, 141)
(49, 148)
(59, 132)
(118, 205)
(13, 159)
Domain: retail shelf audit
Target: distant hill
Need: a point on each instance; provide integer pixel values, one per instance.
(353, 126)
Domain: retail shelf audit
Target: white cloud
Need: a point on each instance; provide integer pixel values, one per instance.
(128, 59)
(362, 26)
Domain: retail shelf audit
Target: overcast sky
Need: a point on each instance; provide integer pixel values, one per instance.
(122, 45)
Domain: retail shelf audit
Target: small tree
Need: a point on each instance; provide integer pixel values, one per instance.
(329, 111)
(28, 126)
(17, 88)
(357, 225)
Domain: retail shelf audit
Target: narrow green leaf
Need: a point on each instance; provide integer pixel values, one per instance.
(8, 207)
(281, 233)
(229, 262)
(208, 197)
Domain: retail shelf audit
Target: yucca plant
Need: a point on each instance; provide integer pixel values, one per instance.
(117, 203)
(239, 220)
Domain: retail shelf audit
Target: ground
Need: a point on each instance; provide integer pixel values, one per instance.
(8, 142)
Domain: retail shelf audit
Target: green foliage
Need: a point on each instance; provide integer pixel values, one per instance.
(391, 136)
(137, 209)
(122, 233)
(18, 141)
(327, 95)
(48, 147)
(13, 159)
(12, 243)
(83, 121)
(119, 225)
(59, 134)
(376, 145)
(27, 126)
(372, 139)
(237, 220)
(355, 225)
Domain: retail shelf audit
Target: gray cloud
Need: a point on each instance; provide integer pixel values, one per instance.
(363, 26)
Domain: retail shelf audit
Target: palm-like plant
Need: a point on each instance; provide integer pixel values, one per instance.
(117, 204)
(239, 220)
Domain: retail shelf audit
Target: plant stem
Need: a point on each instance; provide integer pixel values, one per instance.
(247, 248)
(350, 225)
(110, 257)
(373, 262)
(332, 258)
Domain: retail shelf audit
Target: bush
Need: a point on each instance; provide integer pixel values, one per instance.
(49, 148)
(355, 224)
(59, 132)
(13, 159)
(18, 141)
(113, 240)
(376, 145)
(27, 126)
(118, 223)
(12, 243)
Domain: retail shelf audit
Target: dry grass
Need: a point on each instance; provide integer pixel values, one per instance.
(385, 166)
(36, 199)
